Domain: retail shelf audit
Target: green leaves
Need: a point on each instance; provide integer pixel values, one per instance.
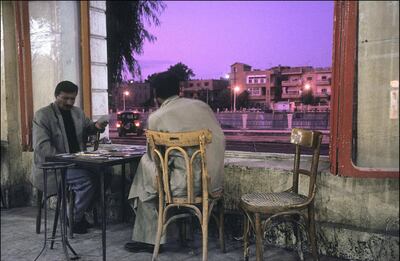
(126, 34)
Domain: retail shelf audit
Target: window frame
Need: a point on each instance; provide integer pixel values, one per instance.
(344, 79)
(21, 9)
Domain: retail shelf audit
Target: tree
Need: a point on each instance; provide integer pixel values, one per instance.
(223, 100)
(243, 99)
(126, 34)
(278, 87)
(307, 97)
(181, 71)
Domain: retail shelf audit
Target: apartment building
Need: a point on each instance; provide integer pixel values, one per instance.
(205, 90)
(280, 83)
(256, 82)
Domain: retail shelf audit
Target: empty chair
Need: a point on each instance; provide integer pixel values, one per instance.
(191, 148)
(289, 203)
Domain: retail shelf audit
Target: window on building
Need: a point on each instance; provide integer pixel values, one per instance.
(190, 84)
(206, 84)
(323, 77)
(254, 91)
(309, 78)
(198, 84)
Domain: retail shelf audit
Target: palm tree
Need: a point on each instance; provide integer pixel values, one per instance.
(126, 34)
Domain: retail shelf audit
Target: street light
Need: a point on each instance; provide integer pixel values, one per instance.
(235, 90)
(126, 93)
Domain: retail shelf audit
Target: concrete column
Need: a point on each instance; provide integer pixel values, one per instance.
(244, 120)
(289, 120)
(98, 60)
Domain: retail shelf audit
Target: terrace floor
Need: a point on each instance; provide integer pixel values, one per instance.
(20, 242)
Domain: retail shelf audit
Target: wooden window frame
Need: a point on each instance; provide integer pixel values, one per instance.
(85, 59)
(21, 9)
(344, 80)
(24, 72)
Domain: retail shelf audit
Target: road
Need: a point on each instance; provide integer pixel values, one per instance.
(255, 142)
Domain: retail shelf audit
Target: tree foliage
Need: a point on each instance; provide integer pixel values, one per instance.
(223, 100)
(243, 100)
(307, 97)
(181, 71)
(126, 34)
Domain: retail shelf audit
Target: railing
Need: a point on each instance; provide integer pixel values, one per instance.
(322, 94)
(323, 82)
(318, 120)
(291, 95)
(291, 83)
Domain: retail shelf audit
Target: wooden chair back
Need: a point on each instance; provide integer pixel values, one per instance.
(306, 139)
(190, 145)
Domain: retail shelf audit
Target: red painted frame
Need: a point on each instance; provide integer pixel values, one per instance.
(344, 80)
(24, 72)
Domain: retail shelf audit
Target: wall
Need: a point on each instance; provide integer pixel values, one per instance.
(356, 218)
(14, 181)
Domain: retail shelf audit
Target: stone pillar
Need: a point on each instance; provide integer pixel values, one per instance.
(289, 120)
(244, 120)
(98, 60)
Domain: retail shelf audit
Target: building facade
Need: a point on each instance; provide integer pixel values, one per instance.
(281, 83)
(205, 90)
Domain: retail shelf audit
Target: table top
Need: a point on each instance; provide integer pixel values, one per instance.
(101, 158)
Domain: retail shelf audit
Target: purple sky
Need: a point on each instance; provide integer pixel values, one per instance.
(210, 36)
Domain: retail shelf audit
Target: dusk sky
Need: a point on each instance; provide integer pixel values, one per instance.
(210, 36)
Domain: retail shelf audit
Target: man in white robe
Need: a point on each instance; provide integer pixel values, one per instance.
(174, 115)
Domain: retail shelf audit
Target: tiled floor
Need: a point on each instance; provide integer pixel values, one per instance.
(20, 242)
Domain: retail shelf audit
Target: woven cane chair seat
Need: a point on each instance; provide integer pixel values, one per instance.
(264, 208)
(272, 201)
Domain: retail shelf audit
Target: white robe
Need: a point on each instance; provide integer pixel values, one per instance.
(174, 115)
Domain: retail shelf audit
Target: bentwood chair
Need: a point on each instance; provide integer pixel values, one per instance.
(190, 147)
(287, 204)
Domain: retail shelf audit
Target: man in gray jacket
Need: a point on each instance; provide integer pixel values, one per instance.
(63, 128)
(174, 115)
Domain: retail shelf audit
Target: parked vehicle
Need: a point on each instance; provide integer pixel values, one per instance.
(129, 122)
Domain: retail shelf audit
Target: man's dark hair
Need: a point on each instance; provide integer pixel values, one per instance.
(165, 85)
(65, 86)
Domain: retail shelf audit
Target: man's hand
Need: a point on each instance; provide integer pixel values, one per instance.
(101, 125)
(102, 122)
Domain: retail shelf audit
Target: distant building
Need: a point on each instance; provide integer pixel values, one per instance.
(205, 90)
(281, 83)
(137, 94)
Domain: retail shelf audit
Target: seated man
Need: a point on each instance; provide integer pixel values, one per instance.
(174, 115)
(63, 128)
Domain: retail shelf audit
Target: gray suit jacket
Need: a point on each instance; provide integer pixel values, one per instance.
(50, 138)
(176, 115)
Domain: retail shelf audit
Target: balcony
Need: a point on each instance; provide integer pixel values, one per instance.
(291, 83)
(322, 94)
(291, 95)
(324, 82)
